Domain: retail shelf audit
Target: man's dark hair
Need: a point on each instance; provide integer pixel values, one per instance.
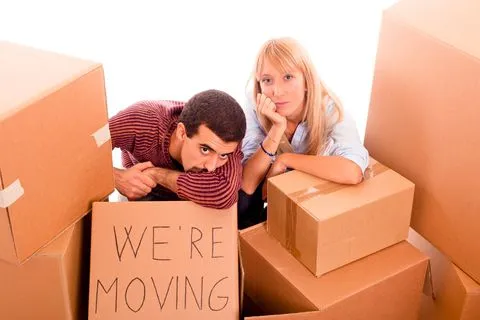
(218, 111)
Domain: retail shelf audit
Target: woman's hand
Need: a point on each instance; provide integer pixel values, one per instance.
(267, 108)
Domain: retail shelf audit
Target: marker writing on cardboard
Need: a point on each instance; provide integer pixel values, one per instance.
(174, 291)
(196, 235)
(135, 293)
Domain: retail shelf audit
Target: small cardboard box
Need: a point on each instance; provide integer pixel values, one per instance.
(52, 284)
(457, 296)
(55, 148)
(166, 260)
(326, 225)
(423, 118)
(384, 285)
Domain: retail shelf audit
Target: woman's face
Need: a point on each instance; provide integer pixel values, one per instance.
(286, 90)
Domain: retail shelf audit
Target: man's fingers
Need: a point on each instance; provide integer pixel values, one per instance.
(136, 194)
(141, 188)
(147, 180)
(143, 165)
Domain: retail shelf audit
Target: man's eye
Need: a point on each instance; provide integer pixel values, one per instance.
(204, 150)
(223, 156)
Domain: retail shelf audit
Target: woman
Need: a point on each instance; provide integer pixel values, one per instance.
(297, 123)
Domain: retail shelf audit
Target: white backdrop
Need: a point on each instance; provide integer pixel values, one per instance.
(173, 49)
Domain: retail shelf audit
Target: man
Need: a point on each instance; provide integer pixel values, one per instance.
(173, 150)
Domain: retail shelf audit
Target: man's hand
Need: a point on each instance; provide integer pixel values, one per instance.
(267, 108)
(278, 167)
(133, 183)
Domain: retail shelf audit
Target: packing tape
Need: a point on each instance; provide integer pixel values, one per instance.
(291, 226)
(102, 135)
(311, 192)
(11, 194)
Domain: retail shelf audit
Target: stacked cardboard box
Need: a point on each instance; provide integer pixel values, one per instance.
(55, 162)
(326, 225)
(335, 250)
(385, 285)
(423, 124)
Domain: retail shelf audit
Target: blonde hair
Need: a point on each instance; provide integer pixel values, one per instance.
(287, 54)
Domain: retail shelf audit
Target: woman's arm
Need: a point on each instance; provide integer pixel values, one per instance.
(256, 160)
(333, 168)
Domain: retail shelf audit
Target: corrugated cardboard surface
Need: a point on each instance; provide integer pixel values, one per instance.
(423, 118)
(457, 296)
(171, 260)
(328, 225)
(50, 107)
(385, 285)
(47, 286)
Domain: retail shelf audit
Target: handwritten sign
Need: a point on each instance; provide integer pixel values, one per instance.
(163, 260)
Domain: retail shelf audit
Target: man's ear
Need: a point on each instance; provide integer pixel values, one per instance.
(181, 131)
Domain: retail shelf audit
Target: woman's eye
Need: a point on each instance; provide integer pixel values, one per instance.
(266, 81)
(288, 77)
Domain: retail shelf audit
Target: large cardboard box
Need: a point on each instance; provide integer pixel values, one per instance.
(163, 260)
(55, 152)
(384, 285)
(457, 296)
(52, 284)
(326, 225)
(423, 118)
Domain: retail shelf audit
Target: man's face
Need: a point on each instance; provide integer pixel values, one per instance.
(204, 151)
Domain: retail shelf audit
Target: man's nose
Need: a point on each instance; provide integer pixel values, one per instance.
(211, 163)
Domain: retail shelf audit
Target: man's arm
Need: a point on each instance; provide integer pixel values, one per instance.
(165, 177)
(134, 129)
(218, 189)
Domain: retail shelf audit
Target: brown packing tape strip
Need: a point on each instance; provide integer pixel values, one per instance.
(374, 170)
(291, 225)
(320, 189)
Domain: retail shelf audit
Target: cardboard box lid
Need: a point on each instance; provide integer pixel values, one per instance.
(136, 244)
(456, 23)
(29, 74)
(314, 194)
(342, 282)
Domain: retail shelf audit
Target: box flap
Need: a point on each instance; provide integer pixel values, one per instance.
(455, 23)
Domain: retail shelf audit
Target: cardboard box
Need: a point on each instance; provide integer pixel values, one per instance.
(169, 260)
(55, 148)
(384, 285)
(52, 284)
(457, 296)
(423, 118)
(326, 225)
